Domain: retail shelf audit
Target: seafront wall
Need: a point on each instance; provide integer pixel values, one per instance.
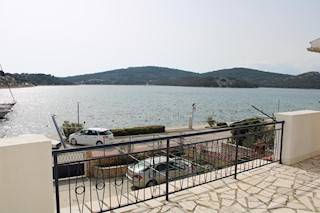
(301, 135)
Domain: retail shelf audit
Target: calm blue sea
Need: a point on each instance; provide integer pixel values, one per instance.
(128, 106)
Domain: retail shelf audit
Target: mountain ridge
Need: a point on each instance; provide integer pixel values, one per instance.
(237, 77)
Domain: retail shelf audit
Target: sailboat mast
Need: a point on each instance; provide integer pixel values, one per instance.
(8, 85)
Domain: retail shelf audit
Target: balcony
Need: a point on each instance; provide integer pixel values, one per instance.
(241, 172)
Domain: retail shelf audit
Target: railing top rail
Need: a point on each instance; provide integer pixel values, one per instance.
(85, 148)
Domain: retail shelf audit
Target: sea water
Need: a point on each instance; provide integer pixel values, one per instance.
(112, 106)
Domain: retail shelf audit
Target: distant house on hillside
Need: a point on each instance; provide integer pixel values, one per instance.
(315, 46)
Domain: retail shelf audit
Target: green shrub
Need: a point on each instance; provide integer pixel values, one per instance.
(70, 127)
(210, 121)
(250, 138)
(138, 130)
(222, 124)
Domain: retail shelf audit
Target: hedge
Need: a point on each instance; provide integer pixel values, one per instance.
(138, 130)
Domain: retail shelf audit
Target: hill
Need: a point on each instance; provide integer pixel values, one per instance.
(261, 78)
(235, 77)
(25, 79)
(309, 80)
(158, 76)
(132, 76)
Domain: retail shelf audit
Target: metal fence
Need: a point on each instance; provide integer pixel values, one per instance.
(111, 176)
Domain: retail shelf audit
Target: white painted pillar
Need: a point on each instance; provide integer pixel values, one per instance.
(26, 175)
(301, 135)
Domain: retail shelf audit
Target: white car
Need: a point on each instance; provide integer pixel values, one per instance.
(152, 171)
(91, 136)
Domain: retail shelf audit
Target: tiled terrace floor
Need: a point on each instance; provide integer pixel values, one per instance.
(271, 188)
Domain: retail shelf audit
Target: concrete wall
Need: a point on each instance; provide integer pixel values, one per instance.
(26, 175)
(301, 138)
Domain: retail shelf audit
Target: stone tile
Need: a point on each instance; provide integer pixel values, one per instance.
(227, 196)
(227, 202)
(214, 196)
(258, 211)
(280, 199)
(202, 209)
(304, 177)
(155, 210)
(284, 191)
(229, 180)
(316, 202)
(198, 190)
(153, 203)
(252, 199)
(226, 209)
(243, 202)
(140, 210)
(283, 210)
(217, 184)
(306, 201)
(126, 209)
(237, 208)
(274, 205)
(243, 186)
(303, 193)
(241, 193)
(166, 208)
(283, 183)
(267, 193)
(210, 204)
(294, 205)
(253, 190)
(233, 186)
(204, 197)
(177, 210)
(263, 199)
(189, 206)
(181, 197)
(256, 205)
(303, 211)
(222, 190)
(263, 185)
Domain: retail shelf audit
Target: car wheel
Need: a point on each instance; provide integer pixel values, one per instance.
(99, 143)
(152, 183)
(73, 141)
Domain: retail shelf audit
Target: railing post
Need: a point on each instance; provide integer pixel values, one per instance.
(281, 142)
(167, 170)
(236, 158)
(56, 181)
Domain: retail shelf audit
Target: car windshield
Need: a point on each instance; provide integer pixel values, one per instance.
(141, 166)
(108, 132)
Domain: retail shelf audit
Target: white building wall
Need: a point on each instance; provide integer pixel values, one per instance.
(301, 135)
(26, 175)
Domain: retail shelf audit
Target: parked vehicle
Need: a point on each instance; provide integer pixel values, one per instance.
(55, 144)
(91, 136)
(3, 112)
(152, 171)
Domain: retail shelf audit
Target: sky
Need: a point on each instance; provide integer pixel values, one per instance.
(74, 37)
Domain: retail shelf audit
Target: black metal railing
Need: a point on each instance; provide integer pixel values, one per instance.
(110, 176)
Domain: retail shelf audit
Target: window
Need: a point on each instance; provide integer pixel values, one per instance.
(108, 132)
(161, 167)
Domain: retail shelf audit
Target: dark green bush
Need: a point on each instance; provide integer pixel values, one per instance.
(222, 124)
(250, 138)
(138, 130)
